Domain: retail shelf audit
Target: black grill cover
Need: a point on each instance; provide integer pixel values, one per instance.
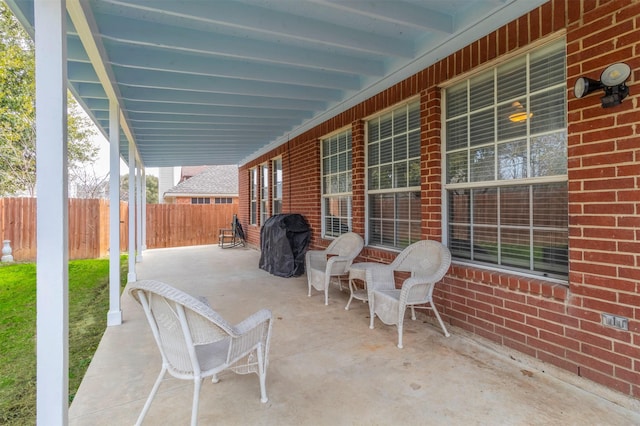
(284, 239)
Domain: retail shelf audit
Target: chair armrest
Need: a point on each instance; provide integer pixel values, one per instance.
(380, 278)
(416, 290)
(317, 253)
(252, 322)
(338, 265)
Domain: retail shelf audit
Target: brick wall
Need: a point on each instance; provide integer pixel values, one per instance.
(556, 323)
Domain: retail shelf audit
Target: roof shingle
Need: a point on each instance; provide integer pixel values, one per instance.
(213, 180)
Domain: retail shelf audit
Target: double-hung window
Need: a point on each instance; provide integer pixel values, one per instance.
(264, 194)
(505, 173)
(336, 184)
(276, 191)
(253, 196)
(393, 177)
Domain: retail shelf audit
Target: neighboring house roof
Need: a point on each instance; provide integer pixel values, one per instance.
(187, 172)
(211, 181)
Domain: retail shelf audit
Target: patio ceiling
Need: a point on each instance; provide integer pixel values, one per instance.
(219, 82)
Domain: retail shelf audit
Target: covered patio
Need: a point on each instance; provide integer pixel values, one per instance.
(272, 86)
(326, 366)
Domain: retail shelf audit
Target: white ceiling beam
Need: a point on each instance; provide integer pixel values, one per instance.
(222, 99)
(179, 62)
(397, 12)
(82, 18)
(199, 83)
(262, 22)
(189, 40)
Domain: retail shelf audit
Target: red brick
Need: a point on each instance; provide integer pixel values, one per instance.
(490, 317)
(612, 308)
(560, 340)
(525, 349)
(627, 375)
(557, 318)
(543, 325)
(542, 345)
(606, 355)
(559, 362)
(616, 335)
(522, 328)
(489, 335)
(589, 363)
(606, 380)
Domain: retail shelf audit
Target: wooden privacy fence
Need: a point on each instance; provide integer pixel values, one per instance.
(168, 225)
(177, 225)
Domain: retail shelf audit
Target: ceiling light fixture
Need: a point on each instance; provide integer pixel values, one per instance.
(612, 81)
(520, 114)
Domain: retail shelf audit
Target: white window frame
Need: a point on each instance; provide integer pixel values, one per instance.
(253, 196)
(503, 184)
(410, 190)
(335, 193)
(264, 193)
(277, 186)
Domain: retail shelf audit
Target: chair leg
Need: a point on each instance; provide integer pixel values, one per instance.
(372, 314)
(262, 374)
(326, 295)
(197, 382)
(400, 335)
(147, 404)
(435, 311)
(346, 308)
(413, 313)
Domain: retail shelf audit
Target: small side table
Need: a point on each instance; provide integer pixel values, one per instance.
(358, 271)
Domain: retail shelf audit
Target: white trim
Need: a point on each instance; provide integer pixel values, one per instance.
(52, 215)
(139, 189)
(144, 210)
(131, 276)
(85, 25)
(114, 316)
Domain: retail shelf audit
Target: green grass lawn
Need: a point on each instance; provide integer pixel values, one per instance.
(88, 307)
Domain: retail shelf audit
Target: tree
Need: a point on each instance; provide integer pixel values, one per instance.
(17, 113)
(152, 188)
(85, 183)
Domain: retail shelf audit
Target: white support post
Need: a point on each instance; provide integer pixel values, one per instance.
(131, 277)
(114, 316)
(144, 209)
(139, 212)
(52, 215)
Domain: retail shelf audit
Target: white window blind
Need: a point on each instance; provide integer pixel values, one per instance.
(506, 164)
(393, 177)
(336, 184)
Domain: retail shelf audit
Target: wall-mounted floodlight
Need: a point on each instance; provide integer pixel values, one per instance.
(612, 81)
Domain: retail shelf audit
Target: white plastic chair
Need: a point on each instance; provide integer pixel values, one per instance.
(196, 342)
(333, 262)
(428, 262)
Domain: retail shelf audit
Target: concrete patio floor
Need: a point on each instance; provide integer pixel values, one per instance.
(326, 366)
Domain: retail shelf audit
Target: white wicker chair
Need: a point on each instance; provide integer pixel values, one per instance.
(428, 262)
(196, 342)
(333, 262)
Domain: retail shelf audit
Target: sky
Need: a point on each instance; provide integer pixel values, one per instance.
(101, 165)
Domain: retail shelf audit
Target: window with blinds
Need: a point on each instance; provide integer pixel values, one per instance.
(264, 193)
(336, 184)
(393, 177)
(276, 191)
(253, 196)
(506, 165)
